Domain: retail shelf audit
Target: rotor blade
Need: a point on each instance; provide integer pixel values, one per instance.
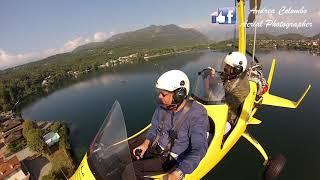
(253, 12)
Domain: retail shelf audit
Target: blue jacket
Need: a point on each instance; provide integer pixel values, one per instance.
(191, 144)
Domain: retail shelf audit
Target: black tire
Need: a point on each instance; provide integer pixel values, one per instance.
(274, 167)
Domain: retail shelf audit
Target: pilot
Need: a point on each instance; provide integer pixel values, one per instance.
(176, 140)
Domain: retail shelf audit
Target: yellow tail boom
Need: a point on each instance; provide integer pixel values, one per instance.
(272, 100)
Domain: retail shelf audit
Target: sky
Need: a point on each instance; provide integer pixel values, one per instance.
(35, 29)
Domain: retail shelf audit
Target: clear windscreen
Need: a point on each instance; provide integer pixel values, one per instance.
(109, 152)
(209, 88)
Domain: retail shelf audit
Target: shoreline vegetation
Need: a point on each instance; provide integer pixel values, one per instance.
(22, 85)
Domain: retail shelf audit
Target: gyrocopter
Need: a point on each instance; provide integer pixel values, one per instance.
(109, 153)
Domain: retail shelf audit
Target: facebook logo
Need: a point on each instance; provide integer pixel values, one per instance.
(225, 15)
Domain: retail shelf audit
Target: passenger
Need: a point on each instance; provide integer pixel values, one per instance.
(176, 140)
(236, 83)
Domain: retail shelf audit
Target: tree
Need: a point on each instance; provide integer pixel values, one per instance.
(35, 141)
(55, 127)
(64, 140)
(62, 161)
(27, 125)
(53, 175)
(17, 145)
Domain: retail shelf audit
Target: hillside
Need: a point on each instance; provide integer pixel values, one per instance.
(292, 36)
(317, 36)
(151, 37)
(262, 36)
(44, 76)
(289, 36)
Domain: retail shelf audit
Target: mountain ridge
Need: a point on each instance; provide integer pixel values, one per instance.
(152, 36)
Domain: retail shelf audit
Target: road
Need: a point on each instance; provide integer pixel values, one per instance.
(23, 154)
(37, 167)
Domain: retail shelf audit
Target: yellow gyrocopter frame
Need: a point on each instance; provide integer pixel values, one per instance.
(218, 115)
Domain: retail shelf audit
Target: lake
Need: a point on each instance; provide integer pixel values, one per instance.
(293, 133)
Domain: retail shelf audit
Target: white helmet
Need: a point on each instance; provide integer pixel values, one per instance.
(236, 60)
(174, 81)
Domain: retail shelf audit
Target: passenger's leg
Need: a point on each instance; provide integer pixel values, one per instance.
(232, 118)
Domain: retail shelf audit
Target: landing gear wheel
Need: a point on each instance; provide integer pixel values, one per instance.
(274, 167)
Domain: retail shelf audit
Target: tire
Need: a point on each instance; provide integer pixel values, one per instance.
(274, 167)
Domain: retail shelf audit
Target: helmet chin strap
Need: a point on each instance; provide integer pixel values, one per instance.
(229, 76)
(172, 106)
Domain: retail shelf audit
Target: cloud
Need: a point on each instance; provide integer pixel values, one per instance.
(101, 36)
(9, 60)
(72, 44)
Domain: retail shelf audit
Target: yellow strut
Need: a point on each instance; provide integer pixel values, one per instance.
(241, 27)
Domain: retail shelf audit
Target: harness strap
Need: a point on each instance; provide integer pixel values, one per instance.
(173, 133)
(159, 129)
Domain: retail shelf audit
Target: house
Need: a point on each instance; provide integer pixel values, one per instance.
(11, 169)
(12, 137)
(44, 124)
(11, 130)
(4, 116)
(51, 138)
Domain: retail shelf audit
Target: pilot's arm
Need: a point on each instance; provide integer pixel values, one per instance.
(152, 132)
(150, 136)
(198, 142)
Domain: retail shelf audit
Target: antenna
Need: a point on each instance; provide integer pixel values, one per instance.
(255, 32)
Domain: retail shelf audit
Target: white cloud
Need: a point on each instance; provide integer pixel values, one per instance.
(72, 44)
(101, 36)
(9, 60)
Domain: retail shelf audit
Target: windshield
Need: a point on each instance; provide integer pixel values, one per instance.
(109, 152)
(209, 88)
